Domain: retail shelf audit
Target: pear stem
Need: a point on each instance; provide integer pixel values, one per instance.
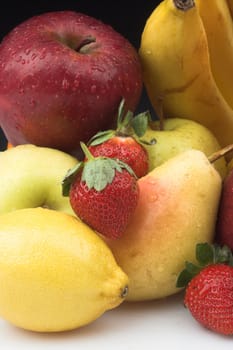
(220, 153)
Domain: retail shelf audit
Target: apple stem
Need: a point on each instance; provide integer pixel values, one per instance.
(220, 153)
(82, 48)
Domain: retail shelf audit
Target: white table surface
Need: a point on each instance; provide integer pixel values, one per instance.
(163, 324)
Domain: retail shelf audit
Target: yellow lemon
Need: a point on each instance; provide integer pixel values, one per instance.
(56, 273)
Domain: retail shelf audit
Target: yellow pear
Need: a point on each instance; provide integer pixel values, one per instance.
(177, 209)
(56, 273)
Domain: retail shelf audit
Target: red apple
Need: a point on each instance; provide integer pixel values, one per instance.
(224, 227)
(62, 77)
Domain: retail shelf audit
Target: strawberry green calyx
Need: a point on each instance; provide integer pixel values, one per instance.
(101, 171)
(70, 177)
(206, 254)
(127, 125)
(97, 172)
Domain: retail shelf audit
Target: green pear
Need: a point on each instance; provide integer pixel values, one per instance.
(177, 209)
(178, 135)
(31, 176)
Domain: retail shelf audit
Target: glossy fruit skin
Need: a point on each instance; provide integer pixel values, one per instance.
(56, 273)
(107, 211)
(209, 298)
(35, 183)
(126, 149)
(178, 135)
(224, 226)
(176, 209)
(55, 91)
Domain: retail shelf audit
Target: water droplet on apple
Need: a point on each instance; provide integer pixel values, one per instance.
(13, 53)
(93, 89)
(18, 59)
(32, 102)
(43, 54)
(65, 84)
(99, 69)
(93, 27)
(27, 51)
(33, 56)
(75, 84)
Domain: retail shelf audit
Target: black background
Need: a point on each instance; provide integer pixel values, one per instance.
(128, 18)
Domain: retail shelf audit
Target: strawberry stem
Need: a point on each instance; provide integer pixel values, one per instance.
(124, 127)
(86, 151)
(206, 254)
(128, 125)
(120, 112)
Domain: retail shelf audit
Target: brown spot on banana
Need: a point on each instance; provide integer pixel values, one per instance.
(184, 5)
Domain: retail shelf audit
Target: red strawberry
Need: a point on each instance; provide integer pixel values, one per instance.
(103, 193)
(209, 291)
(124, 143)
(126, 149)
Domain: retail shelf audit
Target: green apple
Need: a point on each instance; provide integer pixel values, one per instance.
(178, 135)
(31, 176)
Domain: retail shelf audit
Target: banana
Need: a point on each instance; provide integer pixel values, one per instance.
(218, 25)
(177, 71)
(230, 6)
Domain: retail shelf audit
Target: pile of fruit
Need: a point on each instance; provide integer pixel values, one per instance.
(100, 204)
